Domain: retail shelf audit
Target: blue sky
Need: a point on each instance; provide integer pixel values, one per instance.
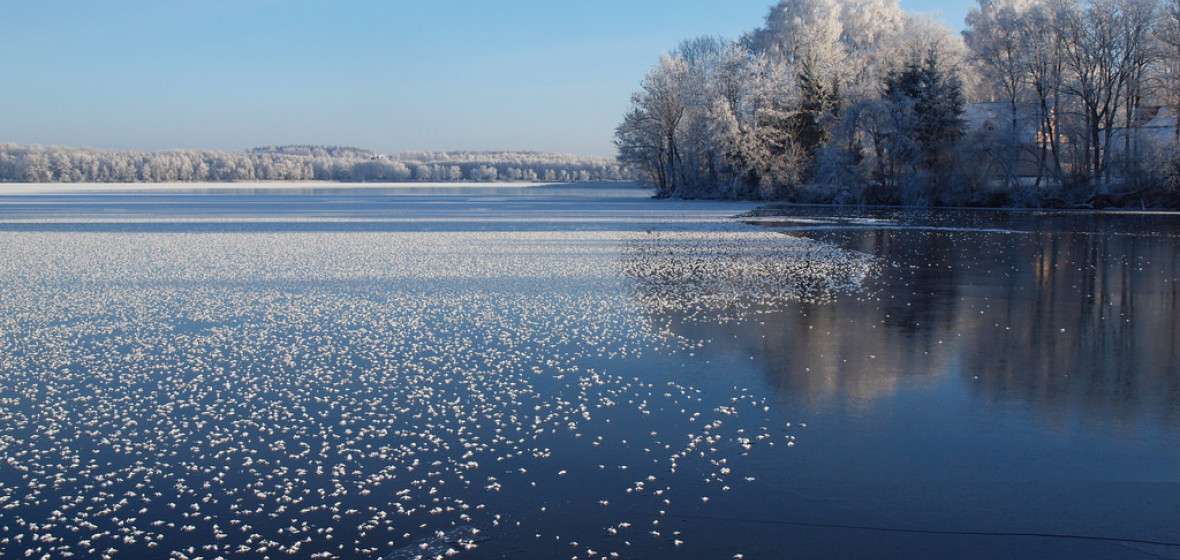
(388, 75)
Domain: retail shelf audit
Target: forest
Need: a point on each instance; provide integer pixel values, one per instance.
(1037, 103)
(37, 164)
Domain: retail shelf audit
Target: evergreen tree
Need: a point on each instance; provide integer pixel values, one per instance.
(935, 97)
(818, 105)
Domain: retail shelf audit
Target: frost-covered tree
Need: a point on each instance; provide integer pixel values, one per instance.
(1104, 49)
(776, 160)
(698, 161)
(1018, 47)
(648, 136)
(890, 152)
(938, 107)
(751, 119)
(995, 34)
(911, 131)
(730, 116)
(873, 40)
(288, 163)
(1042, 48)
(819, 107)
(804, 32)
(1168, 76)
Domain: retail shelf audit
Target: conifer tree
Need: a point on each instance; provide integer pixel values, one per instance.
(936, 99)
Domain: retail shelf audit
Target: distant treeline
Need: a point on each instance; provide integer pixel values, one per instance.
(37, 164)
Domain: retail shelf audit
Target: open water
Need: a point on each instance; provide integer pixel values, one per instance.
(560, 372)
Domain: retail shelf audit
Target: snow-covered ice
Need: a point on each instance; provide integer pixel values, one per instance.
(327, 392)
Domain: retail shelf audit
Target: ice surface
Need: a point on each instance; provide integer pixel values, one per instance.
(728, 267)
(442, 543)
(331, 392)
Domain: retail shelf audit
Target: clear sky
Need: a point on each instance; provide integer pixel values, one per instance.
(389, 75)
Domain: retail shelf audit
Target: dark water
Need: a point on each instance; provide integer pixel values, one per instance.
(356, 373)
(1007, 373)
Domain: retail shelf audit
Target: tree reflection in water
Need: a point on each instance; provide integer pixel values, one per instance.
(1075, 314)
(996, 371)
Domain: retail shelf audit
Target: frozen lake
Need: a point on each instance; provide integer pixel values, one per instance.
(322, 371)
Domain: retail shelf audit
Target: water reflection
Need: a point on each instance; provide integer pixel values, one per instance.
(1087, 327)
(1071, 315)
